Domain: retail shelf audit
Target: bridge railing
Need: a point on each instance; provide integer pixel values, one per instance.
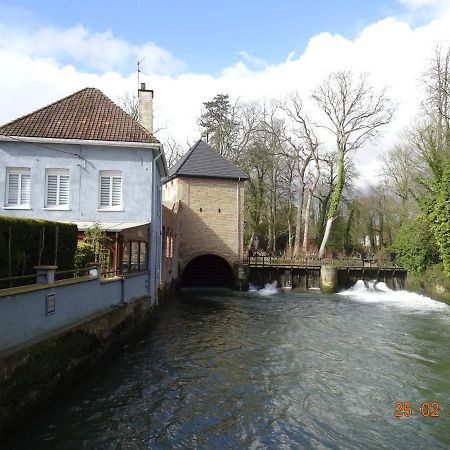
(264, 260)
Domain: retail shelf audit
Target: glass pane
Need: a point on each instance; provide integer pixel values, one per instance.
(126, 257)
(134, 256)
(143, 256)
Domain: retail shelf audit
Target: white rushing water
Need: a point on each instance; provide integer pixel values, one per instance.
(378, 292)
(268, 289)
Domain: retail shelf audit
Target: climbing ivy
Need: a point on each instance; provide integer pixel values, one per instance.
(415, 246)
(436, 208)
(337, 192)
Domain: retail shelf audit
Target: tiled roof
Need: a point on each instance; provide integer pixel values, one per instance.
(202, 161)
(87, 115)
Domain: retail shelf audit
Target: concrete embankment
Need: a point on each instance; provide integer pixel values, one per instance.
(91, 320)
(31, 374)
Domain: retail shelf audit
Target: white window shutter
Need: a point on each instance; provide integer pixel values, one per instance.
(52, 190)
(116, 191)
(18, 186)
(110, 189)
(57, 189)
(25, 190)
(64, 189)
(13, 189)
(105, 185)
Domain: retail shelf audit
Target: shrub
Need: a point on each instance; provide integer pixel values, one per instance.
(85, 254)
(25, 243)
(415, 246)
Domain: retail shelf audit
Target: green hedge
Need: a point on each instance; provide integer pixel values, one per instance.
(25, 243)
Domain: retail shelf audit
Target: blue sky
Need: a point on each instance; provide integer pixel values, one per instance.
(208, 35)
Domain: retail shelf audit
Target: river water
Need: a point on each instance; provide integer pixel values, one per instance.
(267, 370)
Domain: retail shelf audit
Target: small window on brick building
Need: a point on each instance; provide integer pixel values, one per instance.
(201, 209)
(220, 210)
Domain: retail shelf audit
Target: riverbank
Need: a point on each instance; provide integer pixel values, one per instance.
(433, 282)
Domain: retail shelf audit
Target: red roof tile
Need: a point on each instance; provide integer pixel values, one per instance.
(87, 115)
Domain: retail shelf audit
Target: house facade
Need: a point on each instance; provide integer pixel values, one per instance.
(84, 160)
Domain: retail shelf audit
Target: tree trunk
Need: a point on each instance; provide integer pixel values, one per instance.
(334, 203)
(325, 237)
(306, 228)
(311, 190)
(298, 221)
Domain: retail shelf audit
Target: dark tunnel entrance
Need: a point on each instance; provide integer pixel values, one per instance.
(208, 271)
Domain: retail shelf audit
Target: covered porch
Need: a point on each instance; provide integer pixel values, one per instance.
(127, 245)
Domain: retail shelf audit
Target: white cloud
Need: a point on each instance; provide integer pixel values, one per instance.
(91, 51)
(391, 51)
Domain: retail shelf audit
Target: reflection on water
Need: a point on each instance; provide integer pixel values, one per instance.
(241, 370)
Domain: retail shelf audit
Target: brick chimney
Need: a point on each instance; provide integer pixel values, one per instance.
(145, 97)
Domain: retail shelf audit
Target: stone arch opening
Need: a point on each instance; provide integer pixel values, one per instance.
(208, 271)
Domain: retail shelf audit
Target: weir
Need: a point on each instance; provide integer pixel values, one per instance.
(306, 273)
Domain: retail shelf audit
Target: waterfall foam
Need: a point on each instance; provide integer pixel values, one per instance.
(268, 289)
(378, 292)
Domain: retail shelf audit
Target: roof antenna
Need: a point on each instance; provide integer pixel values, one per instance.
(139, 71)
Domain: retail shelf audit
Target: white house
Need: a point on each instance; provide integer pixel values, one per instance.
(82, 159)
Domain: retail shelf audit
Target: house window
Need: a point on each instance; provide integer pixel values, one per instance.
(134, 256)
(110, 189)
(18, 187)
(57, 188)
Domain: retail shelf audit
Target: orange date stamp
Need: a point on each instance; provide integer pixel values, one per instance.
(426, 409)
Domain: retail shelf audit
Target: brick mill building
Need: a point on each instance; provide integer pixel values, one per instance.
(205, 192)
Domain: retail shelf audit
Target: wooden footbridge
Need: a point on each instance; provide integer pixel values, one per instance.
(304, 272)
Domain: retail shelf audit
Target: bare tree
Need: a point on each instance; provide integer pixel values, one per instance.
(402, 172)
(311, 187)
(130, 104)
(303, 147)
(173, 151)
(354, 114)
(437, 104)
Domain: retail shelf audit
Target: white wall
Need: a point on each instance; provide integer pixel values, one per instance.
(84, 163)
(22, 314)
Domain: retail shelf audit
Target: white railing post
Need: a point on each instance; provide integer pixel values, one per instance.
(45, 274)
(95, 269)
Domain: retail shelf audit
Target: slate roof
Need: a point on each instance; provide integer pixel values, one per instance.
(202, 161)
(87, 115)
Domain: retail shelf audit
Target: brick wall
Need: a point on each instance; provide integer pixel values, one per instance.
(170, 242)
(210, 220)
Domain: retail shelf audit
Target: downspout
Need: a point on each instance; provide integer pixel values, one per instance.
(238, 203)
(152, 229)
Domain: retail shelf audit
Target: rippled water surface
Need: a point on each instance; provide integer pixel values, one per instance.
(243, 370)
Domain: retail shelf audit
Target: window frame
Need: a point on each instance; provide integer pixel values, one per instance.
(109, 174)
(58, 172)
(20, 171)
